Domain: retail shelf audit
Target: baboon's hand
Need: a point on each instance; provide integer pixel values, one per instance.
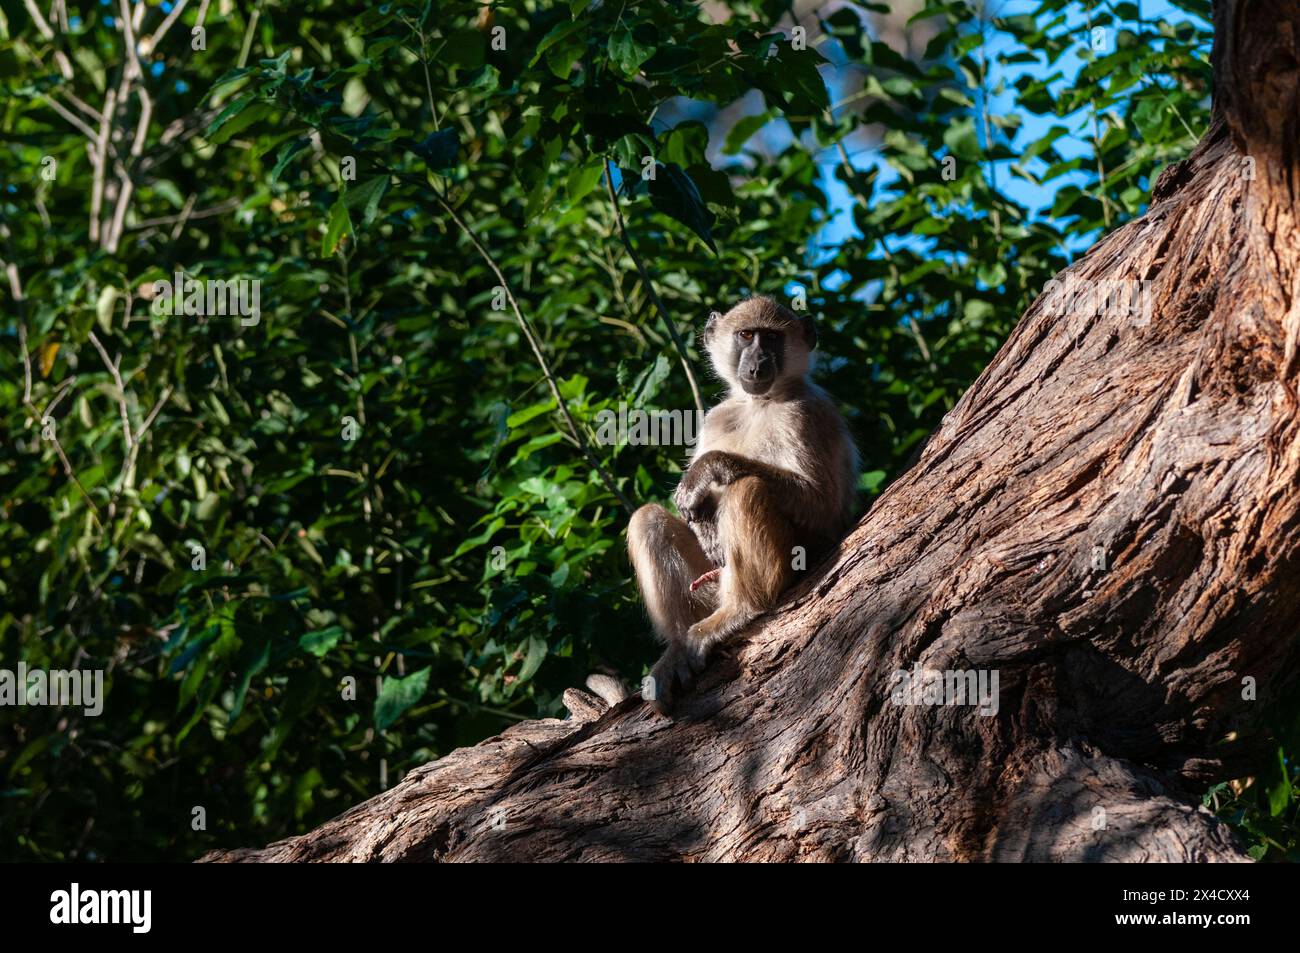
(697, 483)
(688, 500)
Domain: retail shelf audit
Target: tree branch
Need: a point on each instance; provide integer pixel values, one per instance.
(673, 333)
(540, 357)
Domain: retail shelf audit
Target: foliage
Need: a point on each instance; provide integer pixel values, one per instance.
(460, 559)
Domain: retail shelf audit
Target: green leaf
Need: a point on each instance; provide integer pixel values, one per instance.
(628, 52)
(992, 274)
(961, 139)
(286, 155)
(104, 308)
(339, 225)
(396, 695)
(557, 34)
(1279, 791)
(235, 118)
(521, 417)
(582, 179)
(673, 193)
(650, 380)
(367, 195)
(232, 109)
(320, 641)
(742, 130)
(846, 27)
(256, 662)
(533, 661)
(871, 480)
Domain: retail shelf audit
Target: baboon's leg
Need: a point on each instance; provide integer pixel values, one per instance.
(667, 558)
(757, 539)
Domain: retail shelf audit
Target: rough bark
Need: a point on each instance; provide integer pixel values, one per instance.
(1171, 445)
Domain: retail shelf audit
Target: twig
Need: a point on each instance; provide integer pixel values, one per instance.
(121, 389)
(38, 417)
(100, 163)
(148, 421)
(81, 104)
(542, 362)
(68, 471)
(128, 35)
(678, 343)
(996, 216)
(166, 25)
(920, 342)
(132, 78)
(27, 361)
(128, 468)
(64, 389)
(219, 209)
(42, 26)
(73, 119)
(247, 43)
(184, 216)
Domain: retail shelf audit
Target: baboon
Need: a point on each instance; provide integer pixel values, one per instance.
(773, 478)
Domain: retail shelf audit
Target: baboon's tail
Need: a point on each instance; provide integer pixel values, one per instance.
(607, 687)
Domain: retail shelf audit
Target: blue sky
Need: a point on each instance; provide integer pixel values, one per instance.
(1037, 198)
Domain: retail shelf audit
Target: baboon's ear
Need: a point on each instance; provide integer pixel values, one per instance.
(809, 330)
(711, 325)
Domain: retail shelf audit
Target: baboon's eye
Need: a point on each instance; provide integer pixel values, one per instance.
(745, 336)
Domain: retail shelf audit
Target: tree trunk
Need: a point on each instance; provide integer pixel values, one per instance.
(1109, 520)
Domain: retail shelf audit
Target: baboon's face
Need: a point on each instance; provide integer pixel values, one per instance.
(759, 355)
(756, 344)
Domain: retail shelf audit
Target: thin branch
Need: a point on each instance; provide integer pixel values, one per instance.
(220, 208)
(127, 477)
(542, 362)
(920, 343)
(678, 343)
(75, 120)
(132, 78)
(100, 163)
(184, 216)
(68, 471)
(124, 174)
(148, 421)
(121, 389)
(1096, 145)
(38, 417)
(128, 34)
(178, 131)
(996, 216)
(27, 358)
(81, 104)
(42, 26)
(247, 44)
(20, 305)
(63, 391)
(166, 25)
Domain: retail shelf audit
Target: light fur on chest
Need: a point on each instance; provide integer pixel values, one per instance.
(768, 432)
